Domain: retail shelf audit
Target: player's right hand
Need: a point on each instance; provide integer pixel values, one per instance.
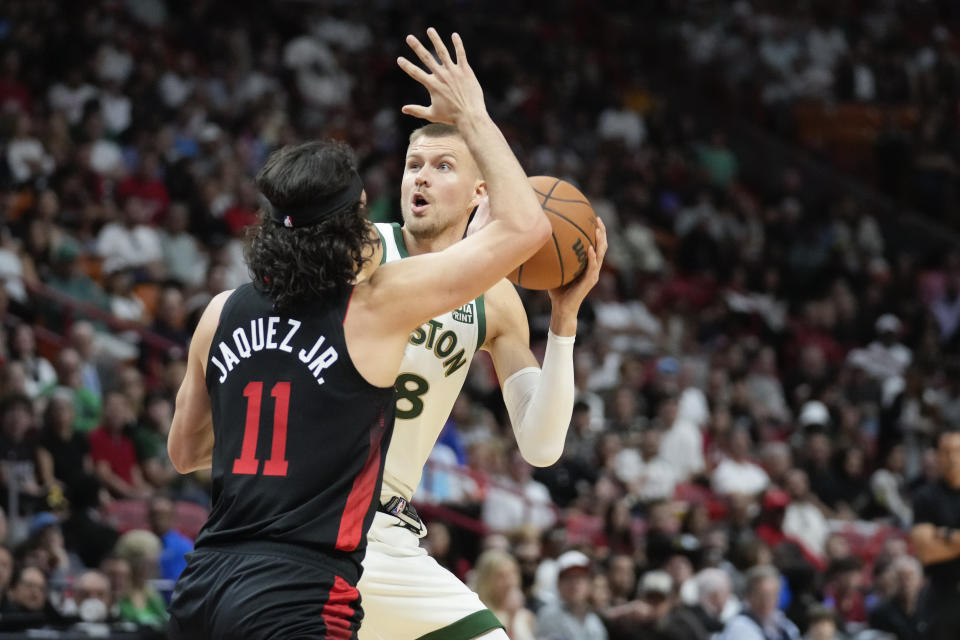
(455, 92)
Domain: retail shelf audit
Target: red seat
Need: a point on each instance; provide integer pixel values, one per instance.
(189, 518)
(126, 515)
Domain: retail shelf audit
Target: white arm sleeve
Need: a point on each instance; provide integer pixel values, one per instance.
(540, 403)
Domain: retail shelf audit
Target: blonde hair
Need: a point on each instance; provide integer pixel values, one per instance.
(134, 546)
(434, 130)
(487, 565)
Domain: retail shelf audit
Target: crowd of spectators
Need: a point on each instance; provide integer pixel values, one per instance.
(761, 375)
(898, 59)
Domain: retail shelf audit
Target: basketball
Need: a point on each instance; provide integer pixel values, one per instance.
(574, 224)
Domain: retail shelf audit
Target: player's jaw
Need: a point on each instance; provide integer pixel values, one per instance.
(428, 215)
(425, 221)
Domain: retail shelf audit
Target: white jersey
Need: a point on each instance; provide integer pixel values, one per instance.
(431, 376)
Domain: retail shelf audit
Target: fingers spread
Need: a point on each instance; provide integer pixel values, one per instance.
(415, 110)
(459, 50)
(414, 71)
(439, 47)
(425, 56)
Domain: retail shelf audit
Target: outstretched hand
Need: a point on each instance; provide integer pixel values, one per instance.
(568, 298)
(455, 92)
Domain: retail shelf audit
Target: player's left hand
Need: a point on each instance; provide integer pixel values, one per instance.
(569, 297)
(455, 92)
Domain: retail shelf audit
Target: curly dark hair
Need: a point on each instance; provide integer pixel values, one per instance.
(301, 265)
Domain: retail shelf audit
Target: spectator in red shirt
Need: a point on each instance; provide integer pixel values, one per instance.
(844, 589)
(14, 94)
(112, 450)
(146, 184)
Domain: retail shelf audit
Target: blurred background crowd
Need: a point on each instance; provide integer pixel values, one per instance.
(763, 371)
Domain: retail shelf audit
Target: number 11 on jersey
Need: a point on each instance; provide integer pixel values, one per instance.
(248, 463)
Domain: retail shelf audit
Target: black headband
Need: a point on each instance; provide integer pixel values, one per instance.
(311, 214)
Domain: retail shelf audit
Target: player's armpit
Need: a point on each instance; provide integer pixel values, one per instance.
(508, 332)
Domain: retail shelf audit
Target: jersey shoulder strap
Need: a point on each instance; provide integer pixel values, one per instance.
(394, 247)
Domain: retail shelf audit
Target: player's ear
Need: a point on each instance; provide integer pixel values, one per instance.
(479, 191)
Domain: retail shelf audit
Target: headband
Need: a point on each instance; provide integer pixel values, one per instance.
(313, 213)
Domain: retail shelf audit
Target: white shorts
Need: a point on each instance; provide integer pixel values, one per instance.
(407, 595)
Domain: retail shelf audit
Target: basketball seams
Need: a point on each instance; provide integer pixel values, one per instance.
(552, 197)
(559, 256)
(572, 223)
(566, 244)
(556, 182)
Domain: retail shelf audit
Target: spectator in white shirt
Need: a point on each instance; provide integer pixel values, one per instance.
(131, 244)
(116, 108)
(885, 359)
(11, 268)
(183, 256)
(682, 444)
(645, 472)
(40, 374)
(779, 50)
(888, 486)
(804, 520)
(623, 124)
(518, 500)
(26, 157)
(682, 448)
(629, 326)
(764, 386)
(71, 97)
(825, 44)
(113, 64)
(737, 474)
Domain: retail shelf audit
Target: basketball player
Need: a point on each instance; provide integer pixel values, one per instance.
(288, 393)
(406, 594)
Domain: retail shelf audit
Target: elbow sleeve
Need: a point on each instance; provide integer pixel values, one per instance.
(540, 403)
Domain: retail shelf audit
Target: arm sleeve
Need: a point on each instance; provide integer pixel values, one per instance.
(540, 403)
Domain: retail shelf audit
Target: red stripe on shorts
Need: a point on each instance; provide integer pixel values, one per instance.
(358, 502)
(338, 611)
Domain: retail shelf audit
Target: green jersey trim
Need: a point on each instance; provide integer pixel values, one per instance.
(465, 628)
(398, 236)
(383, 246)
(481, 323)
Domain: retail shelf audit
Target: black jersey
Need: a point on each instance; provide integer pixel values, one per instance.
(300, 436)
(939, 504)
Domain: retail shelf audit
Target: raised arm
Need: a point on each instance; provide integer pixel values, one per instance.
(400, 296)
(431, 284)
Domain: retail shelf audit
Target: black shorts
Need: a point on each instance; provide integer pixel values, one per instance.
(260, 593)
(939, 612)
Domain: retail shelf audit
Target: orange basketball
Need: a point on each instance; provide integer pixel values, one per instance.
(574, 223)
